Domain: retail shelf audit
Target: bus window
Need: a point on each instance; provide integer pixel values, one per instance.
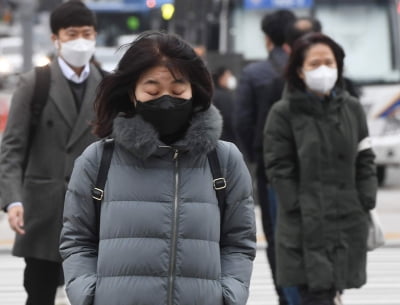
(363, 29)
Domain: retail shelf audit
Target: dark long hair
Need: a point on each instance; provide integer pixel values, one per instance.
(300, 48)
(149, 50)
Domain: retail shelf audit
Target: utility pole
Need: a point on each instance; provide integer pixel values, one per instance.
(27, 9)
(224, 27)
(191, 20)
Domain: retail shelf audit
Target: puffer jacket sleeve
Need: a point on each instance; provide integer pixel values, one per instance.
(79, 239)
(238, 238)
(280, 157)
(366, 180)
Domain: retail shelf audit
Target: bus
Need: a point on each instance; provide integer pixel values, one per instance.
(369, 32)
(124, 18)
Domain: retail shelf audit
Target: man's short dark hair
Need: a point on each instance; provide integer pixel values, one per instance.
(293, 32)
(71, 13)
(274, 25)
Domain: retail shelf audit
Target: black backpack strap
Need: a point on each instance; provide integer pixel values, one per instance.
(219, 182)
(38, 101)
(98, 189)
(41, 93)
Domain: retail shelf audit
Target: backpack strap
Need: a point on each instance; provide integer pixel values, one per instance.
(98, 189)
(38, 101)
(219, 182)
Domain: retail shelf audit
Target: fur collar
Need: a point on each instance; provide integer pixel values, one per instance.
(140, 137)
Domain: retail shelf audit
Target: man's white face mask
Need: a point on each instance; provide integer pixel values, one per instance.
(231, 83)
(322, 79)
(77, 52)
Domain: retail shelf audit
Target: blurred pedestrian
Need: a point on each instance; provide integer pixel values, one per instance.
(160, 238)
(302, 26)
(319, 160)
(35, 166)
(225, 84)
(255, 95)
(201, 51)
(305, 25)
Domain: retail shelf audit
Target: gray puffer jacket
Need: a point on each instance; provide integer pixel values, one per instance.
(160, 240)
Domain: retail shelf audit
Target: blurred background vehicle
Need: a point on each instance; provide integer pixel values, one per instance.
(4, 107)
(11, 59)
(108, 57)
(369, 32)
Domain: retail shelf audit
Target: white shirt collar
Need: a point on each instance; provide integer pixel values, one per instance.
(70, 74)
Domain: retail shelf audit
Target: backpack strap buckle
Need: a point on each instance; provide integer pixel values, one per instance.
(219, 184)
(97, 194)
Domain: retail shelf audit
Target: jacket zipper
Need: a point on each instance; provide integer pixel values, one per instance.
(172, 261)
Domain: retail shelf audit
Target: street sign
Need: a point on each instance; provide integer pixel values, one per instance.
(157, 3)
(271, 4)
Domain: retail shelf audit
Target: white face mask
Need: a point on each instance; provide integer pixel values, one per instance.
(321, 80)
(77, 52)
(231, 83)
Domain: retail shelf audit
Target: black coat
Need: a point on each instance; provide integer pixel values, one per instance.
(224, 101)
(254, 99)
(325, 184)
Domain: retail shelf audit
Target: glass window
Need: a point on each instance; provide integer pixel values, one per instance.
(363, 30)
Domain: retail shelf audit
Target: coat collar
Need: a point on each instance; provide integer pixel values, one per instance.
(278, 59)
(306, 102)
(140, 138)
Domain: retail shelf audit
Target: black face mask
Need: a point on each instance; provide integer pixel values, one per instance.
(169, 115)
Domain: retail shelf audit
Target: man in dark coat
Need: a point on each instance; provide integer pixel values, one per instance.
(223, 99)
(34, 179)
(252, 106)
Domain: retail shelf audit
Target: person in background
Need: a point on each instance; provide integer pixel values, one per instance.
(306, 25)
(225, 84)
(201, 51)
(252, 106)
(35, 169)
(302, 26)
(320, 163)
(160, 237)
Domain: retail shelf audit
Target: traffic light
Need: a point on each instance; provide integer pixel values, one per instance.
(167, 11)
(133, 23)
(151, 3)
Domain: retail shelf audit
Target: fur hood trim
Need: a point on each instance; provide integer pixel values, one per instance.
(141, 138)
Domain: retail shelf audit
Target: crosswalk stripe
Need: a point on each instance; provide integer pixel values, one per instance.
(382, 288)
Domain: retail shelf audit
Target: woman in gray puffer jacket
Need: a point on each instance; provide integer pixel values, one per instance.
(161, 240)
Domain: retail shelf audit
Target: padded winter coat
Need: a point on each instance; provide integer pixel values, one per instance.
(321, 166)
(160, 240)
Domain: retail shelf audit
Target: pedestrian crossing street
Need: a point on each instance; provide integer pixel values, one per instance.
(383, 287)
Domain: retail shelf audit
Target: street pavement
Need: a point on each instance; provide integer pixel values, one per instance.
(382, 288)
